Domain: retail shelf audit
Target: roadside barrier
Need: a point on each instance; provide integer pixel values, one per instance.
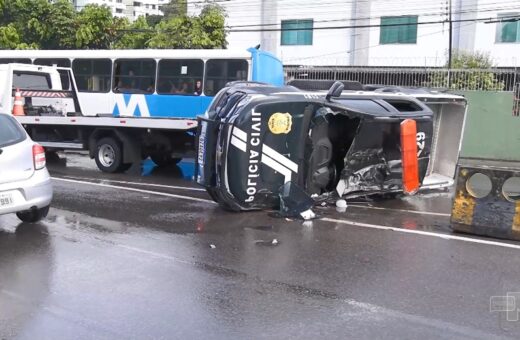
(487, 198)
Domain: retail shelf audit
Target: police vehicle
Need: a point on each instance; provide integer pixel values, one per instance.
(257, 139)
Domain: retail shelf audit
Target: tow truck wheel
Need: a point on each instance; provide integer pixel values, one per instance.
(164, 160)
(109, 155)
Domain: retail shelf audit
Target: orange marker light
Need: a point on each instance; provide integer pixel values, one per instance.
(410, 162)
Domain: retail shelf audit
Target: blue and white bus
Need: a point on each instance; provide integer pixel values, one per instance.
(152, 83)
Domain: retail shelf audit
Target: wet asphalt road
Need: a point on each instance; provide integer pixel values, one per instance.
(127, 257)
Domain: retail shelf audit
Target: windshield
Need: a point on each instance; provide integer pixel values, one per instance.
(10, 131)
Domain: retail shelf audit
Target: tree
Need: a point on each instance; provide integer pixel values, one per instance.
(153, 20)
(10, 39)
(96, 28)
(61, 25)
(206, 30)
(29, 17)
(470, 71)
(175, 8)
(135, 36)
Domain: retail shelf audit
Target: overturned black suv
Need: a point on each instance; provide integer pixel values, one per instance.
(255, 139)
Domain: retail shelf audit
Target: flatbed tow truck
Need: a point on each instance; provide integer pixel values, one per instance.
(52, 117)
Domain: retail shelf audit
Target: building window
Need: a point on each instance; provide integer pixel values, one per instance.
(508, 31)
(398, 30)
(297, 32)
(119, 10)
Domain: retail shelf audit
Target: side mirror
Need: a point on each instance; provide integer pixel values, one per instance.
(335, 90)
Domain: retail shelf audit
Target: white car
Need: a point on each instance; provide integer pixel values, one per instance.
(25, 183)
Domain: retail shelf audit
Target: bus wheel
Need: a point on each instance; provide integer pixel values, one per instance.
(164, 160)
(109, 155)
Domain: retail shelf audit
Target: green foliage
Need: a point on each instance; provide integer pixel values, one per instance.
(96, 28)
(469, 72)
(175, 8)
(40, 24)
(10, 39)
(153, 20)
(135, 36)
(60, 26)
(204, 31)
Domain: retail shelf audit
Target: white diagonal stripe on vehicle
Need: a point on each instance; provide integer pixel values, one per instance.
(238, 143)
(277, 167)
(286, 162)
(240, 134)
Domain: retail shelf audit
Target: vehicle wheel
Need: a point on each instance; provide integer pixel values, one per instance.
(109, 155)
(164, 160)
(34, 215)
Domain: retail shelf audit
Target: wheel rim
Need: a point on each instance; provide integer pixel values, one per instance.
(106, 155)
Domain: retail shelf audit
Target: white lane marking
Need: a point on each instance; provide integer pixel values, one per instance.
(401, 210)
(240, 134)
(280, 158)
(424, 233)
(277, 167)
(238, 143)
(136, 190)
(135, 183)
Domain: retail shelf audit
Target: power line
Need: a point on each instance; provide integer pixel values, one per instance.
(379, 17)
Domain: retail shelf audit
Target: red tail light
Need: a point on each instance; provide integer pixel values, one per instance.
(38, 156)
(410, 162)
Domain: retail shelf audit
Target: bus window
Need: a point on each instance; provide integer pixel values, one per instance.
(92, 75)
(134, 76)
(181, 76)
(221, 71)
(15, 60)
(60, 62)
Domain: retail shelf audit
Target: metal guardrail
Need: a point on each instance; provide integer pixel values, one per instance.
(464, 79)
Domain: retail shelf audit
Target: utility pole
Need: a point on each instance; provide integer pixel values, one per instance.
(450, 23)
(450, 52)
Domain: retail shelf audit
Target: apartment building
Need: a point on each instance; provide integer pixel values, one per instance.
(374, 32)
(132, 9)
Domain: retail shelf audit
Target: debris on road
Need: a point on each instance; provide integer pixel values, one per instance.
(271, 243)
(212, 246)
(295, 202)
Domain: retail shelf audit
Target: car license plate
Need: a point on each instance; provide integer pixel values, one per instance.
(6, 199)
(202, 142)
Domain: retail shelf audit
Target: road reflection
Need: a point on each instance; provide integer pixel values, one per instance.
(26, 265)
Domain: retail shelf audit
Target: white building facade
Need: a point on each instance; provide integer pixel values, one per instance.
(374, 32)
(132, 9)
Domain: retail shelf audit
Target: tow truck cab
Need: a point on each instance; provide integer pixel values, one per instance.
(41, 89)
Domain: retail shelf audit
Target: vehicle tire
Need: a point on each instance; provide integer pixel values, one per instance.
(212, 193)
(215, 197)
(164, 160)
(109, 155)
(33, 215)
